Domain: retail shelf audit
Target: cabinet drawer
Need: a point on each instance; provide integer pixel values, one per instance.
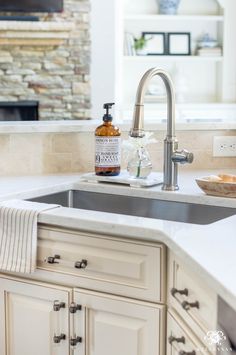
(180, 339)
(113, 265)
(192, 298)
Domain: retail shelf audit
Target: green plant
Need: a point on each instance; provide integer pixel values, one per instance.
(140, 43)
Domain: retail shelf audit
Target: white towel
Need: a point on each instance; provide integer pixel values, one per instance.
(18, 234)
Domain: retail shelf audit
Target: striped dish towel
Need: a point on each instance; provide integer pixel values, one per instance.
(18, 234)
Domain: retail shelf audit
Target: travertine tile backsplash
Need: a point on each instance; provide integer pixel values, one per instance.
(45, 153)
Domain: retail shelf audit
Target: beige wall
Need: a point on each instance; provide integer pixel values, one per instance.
(42, 153)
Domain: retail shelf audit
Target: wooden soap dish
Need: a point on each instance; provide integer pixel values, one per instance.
(221, 185)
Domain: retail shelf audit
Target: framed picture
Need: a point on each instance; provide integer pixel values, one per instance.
(155, 43)
(179, 43)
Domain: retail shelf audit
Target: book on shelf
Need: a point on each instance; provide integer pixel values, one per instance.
(210, 52)
(129, 49)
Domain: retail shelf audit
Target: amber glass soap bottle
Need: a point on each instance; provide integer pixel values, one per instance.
(107, 146)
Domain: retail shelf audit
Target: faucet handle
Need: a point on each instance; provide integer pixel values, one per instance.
(182, 157)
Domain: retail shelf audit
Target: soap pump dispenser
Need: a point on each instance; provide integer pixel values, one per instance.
(107, 146)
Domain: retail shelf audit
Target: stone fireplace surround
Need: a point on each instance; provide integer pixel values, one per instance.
(48, 61)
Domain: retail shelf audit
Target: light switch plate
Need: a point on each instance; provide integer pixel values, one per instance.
(224, 146)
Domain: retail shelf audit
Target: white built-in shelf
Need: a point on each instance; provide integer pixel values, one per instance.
(208, 78)
(171, 58)
(133, 17)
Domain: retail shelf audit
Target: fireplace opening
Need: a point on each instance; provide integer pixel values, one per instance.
(31, 5)
(19, 111)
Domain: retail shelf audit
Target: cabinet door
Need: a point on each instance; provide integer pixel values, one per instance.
(184, 288)
(115, 325)
(180, 339)
(28, 321)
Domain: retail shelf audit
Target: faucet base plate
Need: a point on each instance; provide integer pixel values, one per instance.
(170, 187)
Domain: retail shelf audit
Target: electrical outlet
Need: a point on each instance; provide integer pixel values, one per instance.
(224, 146)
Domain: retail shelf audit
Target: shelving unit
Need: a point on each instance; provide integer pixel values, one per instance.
(171, 58)
(208, 78)
(211, 81)
(148, 17)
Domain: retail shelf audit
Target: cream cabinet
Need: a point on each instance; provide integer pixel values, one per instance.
(115, 325)
(189, 296)
(180, 339)
(29, 321)
(90, 295)
(134, 269)
(42, 319)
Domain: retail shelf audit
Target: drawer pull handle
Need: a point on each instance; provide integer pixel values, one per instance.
(177, 340)
(75, 341)
(174, 290)
(58, 338)
(188, 305)
(81, 264)
(52, 259)
(74, 308)
(182, 352)
(57, 305)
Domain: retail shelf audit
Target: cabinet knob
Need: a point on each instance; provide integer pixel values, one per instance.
(188, 305)
(58, 338)
(173, 339)
(74, 307)
(174, 291)
(57, 305)
(182, 352)
(81, 264)
(52, 259)
(75, 341)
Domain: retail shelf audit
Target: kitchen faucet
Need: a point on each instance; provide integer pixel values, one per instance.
(171, 154)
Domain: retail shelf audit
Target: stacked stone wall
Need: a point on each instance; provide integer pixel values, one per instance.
(56, 76)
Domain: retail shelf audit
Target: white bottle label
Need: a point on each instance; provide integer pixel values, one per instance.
(107, 151)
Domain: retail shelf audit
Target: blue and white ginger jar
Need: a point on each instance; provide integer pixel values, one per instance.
(168, 7)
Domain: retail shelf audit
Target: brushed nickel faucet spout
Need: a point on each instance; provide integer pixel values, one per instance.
(171, 154)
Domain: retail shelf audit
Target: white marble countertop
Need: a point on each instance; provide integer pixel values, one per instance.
(188, 192)
(25, 187)
(208, 249)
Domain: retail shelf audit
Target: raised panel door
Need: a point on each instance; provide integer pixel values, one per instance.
(114, 325)
(28, 321)
(180, 339)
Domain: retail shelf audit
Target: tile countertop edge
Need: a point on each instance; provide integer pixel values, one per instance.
(172, 234)
(63, 126)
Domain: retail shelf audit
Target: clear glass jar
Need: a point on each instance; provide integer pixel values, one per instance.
(140, 166)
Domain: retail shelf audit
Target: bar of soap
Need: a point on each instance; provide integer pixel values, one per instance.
(227, 177)
(214, 178)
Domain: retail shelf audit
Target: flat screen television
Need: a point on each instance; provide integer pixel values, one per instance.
(31, 5)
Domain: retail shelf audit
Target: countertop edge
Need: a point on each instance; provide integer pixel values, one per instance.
(64, 126)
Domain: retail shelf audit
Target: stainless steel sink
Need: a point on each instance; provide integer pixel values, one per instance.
(136, 206)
